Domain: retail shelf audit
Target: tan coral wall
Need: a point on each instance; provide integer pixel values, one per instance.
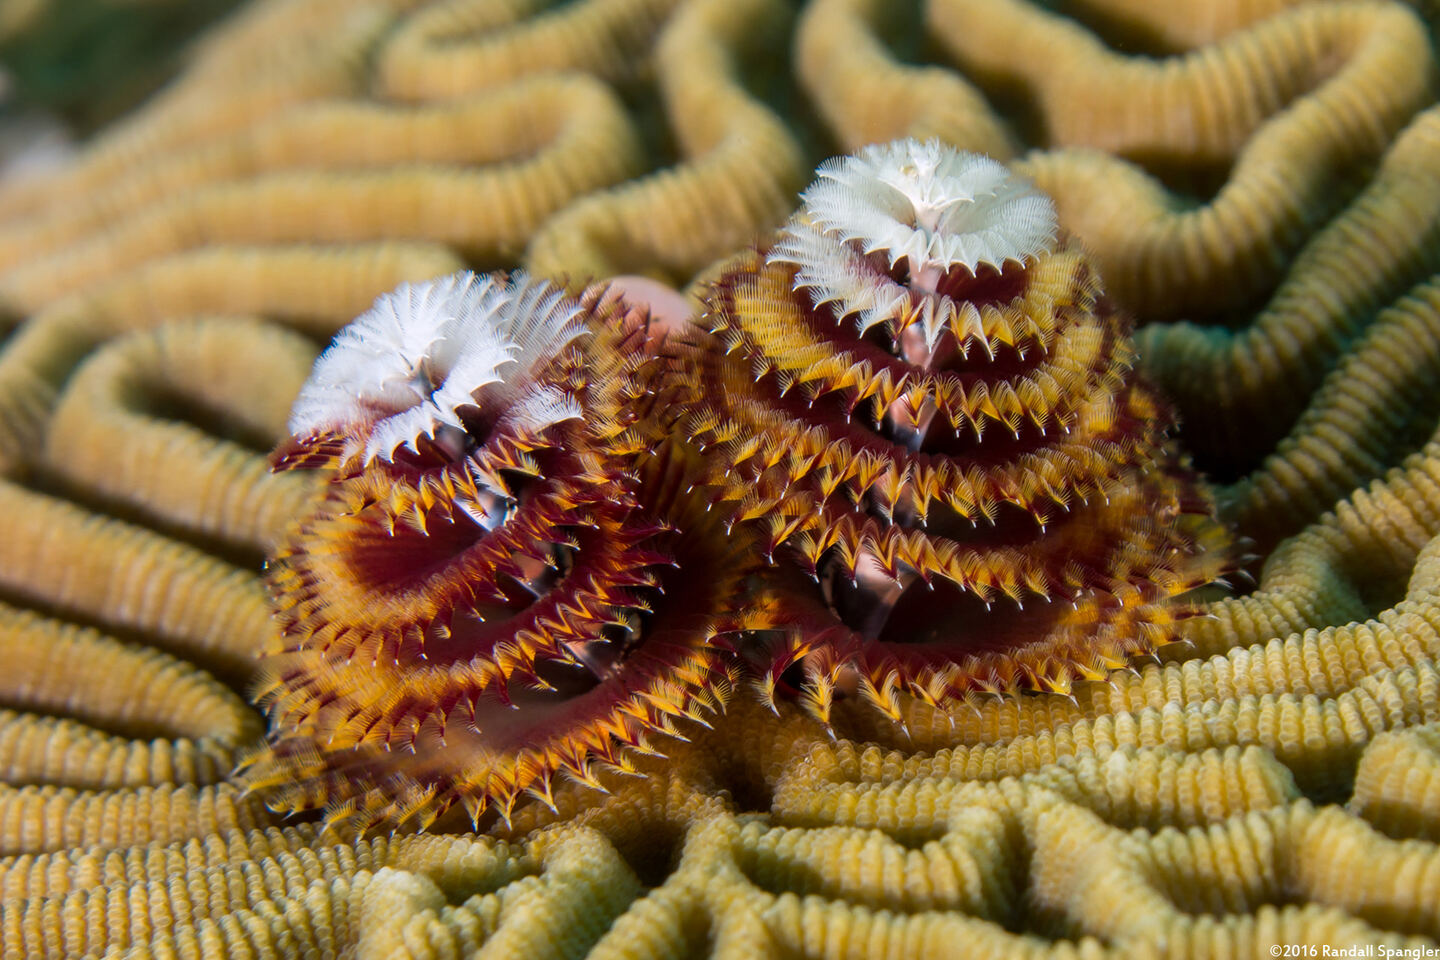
(1261, 193)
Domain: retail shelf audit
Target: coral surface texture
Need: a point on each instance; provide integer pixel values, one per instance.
(1225, 319)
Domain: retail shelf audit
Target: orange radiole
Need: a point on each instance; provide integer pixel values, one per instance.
(928, 406)
(489, 594)
(554, 533)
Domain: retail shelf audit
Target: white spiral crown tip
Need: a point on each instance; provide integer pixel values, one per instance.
(933, 205)
(403, 369)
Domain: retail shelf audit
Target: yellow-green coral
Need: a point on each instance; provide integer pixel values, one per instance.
(1395, 782)
(1266, 176)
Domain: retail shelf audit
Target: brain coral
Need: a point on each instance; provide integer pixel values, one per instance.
(1256, 184)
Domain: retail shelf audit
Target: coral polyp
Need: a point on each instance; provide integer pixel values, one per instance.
(475, 607)
(928, 405)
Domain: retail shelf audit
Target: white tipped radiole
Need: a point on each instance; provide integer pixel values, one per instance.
(927, 204)
(404, 369)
